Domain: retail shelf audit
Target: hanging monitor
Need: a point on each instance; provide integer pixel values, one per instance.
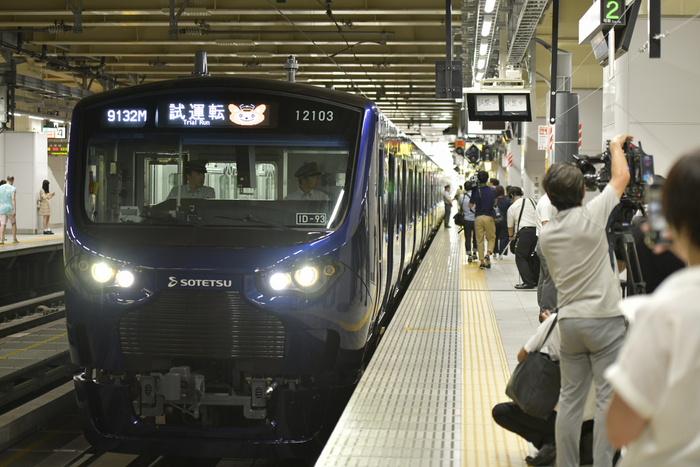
(499, 107)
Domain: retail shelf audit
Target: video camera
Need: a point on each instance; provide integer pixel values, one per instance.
(641, 167)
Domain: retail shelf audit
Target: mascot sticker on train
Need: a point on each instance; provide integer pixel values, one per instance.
(247, 114)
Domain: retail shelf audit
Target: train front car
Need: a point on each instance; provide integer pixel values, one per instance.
(219, 282)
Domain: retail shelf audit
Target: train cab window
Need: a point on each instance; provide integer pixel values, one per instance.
(289, 175)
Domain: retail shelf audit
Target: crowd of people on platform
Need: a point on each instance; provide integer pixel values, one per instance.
(629, 372)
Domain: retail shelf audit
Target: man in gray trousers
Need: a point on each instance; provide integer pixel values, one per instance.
(546, 290)
(584, 271)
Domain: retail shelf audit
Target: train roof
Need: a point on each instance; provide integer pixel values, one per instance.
(187, 83)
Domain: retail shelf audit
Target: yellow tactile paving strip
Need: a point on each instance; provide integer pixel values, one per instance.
(485, 375)
(426, 397)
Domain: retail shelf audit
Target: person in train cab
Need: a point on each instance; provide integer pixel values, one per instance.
(195, 172)
(469, 238)
(592, 327)
(483, 200)
(447, 199)
(503, 204)
(308, 176)
(655, 379)
(546, 290)
(8, 209)
(538, 431)
(522, 221)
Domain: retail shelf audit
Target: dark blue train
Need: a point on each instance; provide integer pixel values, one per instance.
(232, 248)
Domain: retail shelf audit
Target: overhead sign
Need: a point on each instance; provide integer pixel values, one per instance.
(54, 150)
(54, 132)
(612, 11)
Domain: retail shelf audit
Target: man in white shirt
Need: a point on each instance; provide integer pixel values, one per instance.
(524, 225)
(195, 172)
(447, 199)
(592, 328)
(656, 378)
(307, 175)
(546, 290)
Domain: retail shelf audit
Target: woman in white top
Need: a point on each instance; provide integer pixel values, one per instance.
(656, 378)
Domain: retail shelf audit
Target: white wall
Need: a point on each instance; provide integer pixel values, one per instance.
(26, 160)
(657, 100)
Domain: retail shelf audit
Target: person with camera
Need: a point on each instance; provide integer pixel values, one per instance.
(655, 379)
(483, 200)
(584, 272)
(522, 224)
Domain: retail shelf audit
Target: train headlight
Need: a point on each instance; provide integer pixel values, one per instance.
(280, 281)
(125, 278)
(307, 276)
(102, 273)
(309, 279)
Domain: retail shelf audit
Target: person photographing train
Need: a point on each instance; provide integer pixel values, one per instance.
(592, 327)
(655, 379)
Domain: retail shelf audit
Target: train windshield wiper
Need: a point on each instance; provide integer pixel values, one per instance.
(250, 218)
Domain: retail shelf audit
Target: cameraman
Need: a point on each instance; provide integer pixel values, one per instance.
(582, 267)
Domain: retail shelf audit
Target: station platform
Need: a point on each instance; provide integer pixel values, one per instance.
(442, 365)
(29, 241)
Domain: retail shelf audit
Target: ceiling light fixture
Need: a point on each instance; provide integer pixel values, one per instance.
(483, 48)
(481, 64)
(479, 76)
(488, 6)
(236, 42)
(486, 28)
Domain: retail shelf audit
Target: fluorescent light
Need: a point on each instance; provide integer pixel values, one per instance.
(481, 64)
(35, 118)
(488, 6)
(479, 76)
(17, 114)
(56, 121)
(483, 49)
(486, 28)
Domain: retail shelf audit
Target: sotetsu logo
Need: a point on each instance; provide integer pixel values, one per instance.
(247, 114)
(214, 283)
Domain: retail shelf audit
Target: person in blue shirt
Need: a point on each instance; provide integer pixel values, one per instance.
(8, 209)
(483, 200)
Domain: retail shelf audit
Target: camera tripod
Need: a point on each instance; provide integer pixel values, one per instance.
(625, 248)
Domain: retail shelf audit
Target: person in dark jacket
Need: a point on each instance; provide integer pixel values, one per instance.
(503, 204)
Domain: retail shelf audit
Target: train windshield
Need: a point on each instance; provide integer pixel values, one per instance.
(291, 176)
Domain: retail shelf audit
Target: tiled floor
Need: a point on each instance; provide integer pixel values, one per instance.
(426, 397)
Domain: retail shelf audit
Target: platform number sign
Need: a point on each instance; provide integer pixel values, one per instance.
(612, 11)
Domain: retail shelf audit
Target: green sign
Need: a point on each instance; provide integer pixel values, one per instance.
(612, 11)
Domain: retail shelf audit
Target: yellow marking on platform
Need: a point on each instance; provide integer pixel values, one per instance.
(33, 346)
(431, 329)
(485, 375)
(10, 243)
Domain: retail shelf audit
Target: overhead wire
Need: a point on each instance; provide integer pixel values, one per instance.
(330, 57)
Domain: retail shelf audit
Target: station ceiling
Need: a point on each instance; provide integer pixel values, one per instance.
(386, 50)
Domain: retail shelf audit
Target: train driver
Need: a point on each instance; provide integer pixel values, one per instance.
(308, 175)
(195, 171)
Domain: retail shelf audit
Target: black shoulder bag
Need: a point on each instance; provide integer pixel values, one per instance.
(534, 385)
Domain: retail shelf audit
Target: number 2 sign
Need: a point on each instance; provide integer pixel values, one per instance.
(612, 11)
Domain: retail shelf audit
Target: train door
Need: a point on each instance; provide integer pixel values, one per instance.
(373, 259)
(405, 212)
(400, 247)
(387, 232)
(413, 184)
